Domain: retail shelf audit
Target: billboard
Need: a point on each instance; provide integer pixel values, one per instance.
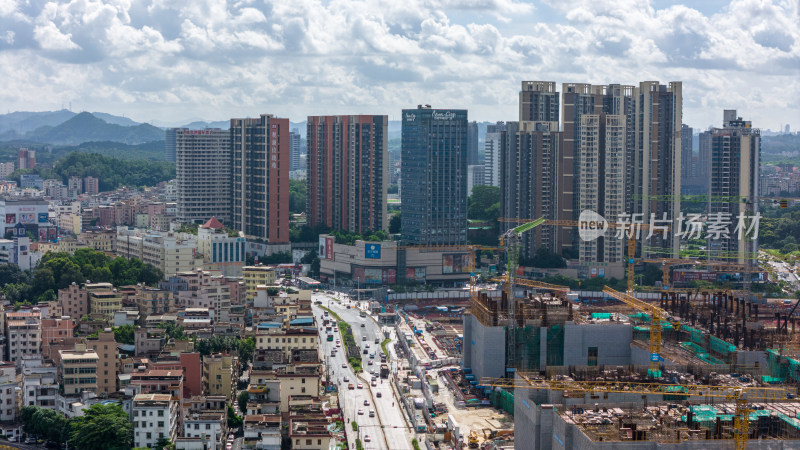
(329, 248)
(373, 276)
(27, 218)
(679, 276)
(322, 253)
(389, 276)
(42, 217)
(11, 218)
(358, 274)
(415, 274)
(372, 251)
(455, 263)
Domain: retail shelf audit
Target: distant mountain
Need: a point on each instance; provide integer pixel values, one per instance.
(199, 125)
(85, 127)
(116, 120)
(14, 125)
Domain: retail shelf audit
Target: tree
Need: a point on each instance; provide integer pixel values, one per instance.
(102, 427)
(125, 334)
(484, 203)
(234, 421)
(246, 347)
(394, 224)
(44, 423)
(243, 398)
(297, 196)
(164, 444)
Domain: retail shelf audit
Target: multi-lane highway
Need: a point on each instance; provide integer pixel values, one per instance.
(387, 429)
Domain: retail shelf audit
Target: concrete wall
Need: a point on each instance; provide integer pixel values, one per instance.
(613, 342)
(487, 348)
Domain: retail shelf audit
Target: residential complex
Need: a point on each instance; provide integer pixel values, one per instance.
(202, 168)
(261, 157)
(734, 187)
(346, 172)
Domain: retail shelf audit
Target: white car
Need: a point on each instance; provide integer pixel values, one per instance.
(366, 402)
(360, 412)
(366, 438)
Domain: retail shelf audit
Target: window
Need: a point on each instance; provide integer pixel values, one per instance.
(208, 426)
(160, 423)
(160, 413)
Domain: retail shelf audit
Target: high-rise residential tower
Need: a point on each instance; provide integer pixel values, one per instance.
(346, 172)
(704, 160)
(294, 145)
(528, 180)
(658, 113)
(169, 144)
(734, 190)
(687, 168)
(202, 171)
(260, 160)
(434, 168)
(491, 153)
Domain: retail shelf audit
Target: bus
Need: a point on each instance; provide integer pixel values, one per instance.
(362, 314)
(330, 337)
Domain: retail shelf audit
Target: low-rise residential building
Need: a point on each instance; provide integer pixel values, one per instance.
(255, 276)
(209, 426)
(78, 370)
(23, 333)
(56, 330)
(73, 301)
(218, 375)
(105, 302)
(287, 340)
(155, 416)
(262, 431)
(39, 385)
(8, 391)
(106, 348)
(166, 250)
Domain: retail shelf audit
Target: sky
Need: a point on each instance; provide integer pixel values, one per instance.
(168, 62)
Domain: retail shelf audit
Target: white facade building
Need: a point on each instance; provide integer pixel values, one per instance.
(155, 416)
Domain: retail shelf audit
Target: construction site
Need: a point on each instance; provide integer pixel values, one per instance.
(690, 367)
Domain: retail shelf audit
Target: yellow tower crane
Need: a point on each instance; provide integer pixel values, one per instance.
(741, 396)
(632, 232)
(656, 316)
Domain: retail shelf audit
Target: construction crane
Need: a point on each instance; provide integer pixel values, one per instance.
(742, 396)
(656, 316)
(534, 284)
(510, 240)
(632, 229)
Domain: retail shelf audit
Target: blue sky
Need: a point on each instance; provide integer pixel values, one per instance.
(168, 62)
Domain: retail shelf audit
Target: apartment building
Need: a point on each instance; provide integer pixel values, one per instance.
(346, 172)
(255, 276)
(734, 186)
(208, 426)
(105, 346)
(155, 417)
(23, 333)
(73, 301)
(78, 370)
(202, 168)
(56, 330)
(493, 145)
(39, 386)
(260, 177)
(8, 391)
(168, 251)
(287, 340)
(219, 375)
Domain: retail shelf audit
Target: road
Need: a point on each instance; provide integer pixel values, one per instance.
(394, 435)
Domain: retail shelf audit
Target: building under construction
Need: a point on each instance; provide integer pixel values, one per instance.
(709, 339)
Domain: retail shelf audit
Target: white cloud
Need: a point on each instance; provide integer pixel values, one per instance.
(217, 58)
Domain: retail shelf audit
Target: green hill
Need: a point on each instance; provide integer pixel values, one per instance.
(85, 127)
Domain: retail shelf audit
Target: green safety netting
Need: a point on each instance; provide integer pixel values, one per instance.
(700, 353)
(781, 366)
(720, 346)
(528, 347)
(601, 315)
(503, 400)
(790, 420)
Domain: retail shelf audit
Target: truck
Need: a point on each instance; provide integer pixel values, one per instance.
(362, 314)
(384, 371)
(330, 338)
